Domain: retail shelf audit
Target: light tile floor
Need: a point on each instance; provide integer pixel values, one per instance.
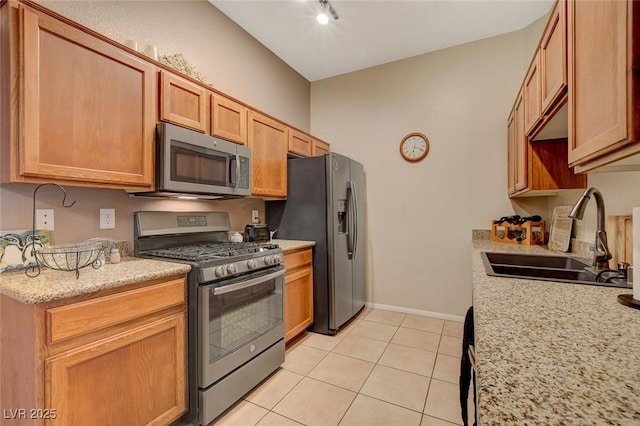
(385, 368)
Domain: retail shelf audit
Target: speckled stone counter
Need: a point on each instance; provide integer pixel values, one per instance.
(52, 285)
(552, 353)
(288, 245)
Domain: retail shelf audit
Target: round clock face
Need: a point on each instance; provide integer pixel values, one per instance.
(414, 147)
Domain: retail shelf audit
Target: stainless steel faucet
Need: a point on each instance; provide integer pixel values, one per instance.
(602, 255)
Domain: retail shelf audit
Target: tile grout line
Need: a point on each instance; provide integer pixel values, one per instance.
(387, 344)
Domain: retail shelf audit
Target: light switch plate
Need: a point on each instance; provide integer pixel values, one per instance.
(44, 219)
(254, 216)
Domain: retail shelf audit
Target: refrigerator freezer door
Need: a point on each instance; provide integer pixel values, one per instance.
(358, 263)
(340, 283)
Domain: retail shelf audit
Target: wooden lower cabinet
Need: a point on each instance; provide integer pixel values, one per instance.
(117, 367)
(298, 292)
(135, 377)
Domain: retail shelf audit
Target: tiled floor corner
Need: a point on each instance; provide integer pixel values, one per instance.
(384, 368)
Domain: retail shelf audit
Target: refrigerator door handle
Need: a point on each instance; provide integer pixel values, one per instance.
(355, 219)
(350, 220)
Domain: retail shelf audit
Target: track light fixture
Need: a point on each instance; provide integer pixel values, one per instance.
(323, 17)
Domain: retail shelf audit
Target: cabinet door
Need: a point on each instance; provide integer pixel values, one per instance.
(298, 292)
(133, 378)
(298, 302)
(319, 148)
(553, 58)
(531, 88)
(511, 153)
(183, 103)
(88, 107)
(520, 146)
(268, 140)
(598, 77)
(299, 143)
(228, 119)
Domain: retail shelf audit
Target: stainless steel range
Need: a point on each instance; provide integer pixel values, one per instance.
(235, 314)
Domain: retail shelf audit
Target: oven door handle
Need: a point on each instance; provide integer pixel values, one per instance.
(239, 286)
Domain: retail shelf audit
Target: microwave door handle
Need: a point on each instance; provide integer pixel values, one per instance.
(233, 171)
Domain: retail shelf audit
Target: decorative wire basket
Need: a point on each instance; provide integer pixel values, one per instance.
(71, 257)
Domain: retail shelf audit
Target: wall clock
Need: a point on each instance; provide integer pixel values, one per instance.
(414, 147)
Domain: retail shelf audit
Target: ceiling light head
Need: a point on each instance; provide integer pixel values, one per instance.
(322, 18)
(327, 10)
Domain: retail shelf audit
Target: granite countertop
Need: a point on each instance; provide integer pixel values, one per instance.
(288, 245)
(553, 353)
(53, 285)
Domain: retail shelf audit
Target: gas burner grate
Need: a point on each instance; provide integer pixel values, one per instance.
(203, 252)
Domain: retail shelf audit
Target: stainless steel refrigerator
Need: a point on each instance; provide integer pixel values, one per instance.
(325, 203)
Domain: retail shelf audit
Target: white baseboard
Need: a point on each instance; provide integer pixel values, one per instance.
(414, 312)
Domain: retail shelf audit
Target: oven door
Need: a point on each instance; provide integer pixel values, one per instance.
(237, 320)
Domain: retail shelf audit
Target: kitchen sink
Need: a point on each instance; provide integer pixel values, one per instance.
(548, 268)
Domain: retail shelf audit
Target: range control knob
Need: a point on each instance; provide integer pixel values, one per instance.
(251, 263)
(277, 258)
(220, 271)
(231, 269)
(268, 260)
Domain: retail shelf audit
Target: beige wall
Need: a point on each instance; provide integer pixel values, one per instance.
(232, 60)
(82, 221)
(420, 216)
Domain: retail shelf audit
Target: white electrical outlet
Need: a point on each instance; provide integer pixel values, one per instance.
(107, 218)
(254, 216)
(44, 219)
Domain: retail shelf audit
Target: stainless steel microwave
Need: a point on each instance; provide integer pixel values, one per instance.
(192, 163)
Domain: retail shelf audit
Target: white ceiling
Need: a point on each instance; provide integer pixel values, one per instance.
(373, 32)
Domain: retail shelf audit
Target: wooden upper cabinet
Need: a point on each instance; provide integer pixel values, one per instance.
(604, 104)
(228, 119)
(319, 148)
(536, 168)
(183, 103)
(519, 145)
(268, 140)
(299, 143)
(516, 148)
(85, 107)
(531, 88)
(553, 58)
(511, 153)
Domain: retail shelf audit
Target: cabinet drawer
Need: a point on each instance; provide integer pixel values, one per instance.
(297, 258)
(80, 318)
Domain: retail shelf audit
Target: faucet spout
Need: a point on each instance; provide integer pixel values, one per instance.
(602, 255)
